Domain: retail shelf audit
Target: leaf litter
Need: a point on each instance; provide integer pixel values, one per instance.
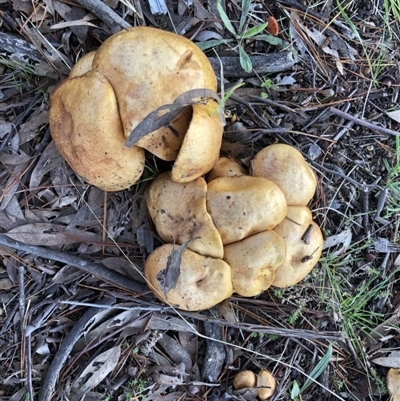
(86, 247)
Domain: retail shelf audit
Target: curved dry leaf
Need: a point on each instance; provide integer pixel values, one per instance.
(14, 158)
(394, 115)
(48, 234)
(48, 160)
(95, 372)
(176, 352)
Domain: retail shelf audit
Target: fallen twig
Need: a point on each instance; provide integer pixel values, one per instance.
(101, 272)
(363, 122)
(63, 352)
(105, 13)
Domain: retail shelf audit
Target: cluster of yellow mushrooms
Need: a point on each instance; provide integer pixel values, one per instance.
(242, 233)
(230, 232)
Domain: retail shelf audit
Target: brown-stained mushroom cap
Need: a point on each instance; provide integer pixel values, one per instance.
(253, 261)
(91, 139)
(242, 206)
(202, 282)
(179, 213)
(304, 242)
(266, 384)
(285, 165)
(150, 68)
(225, 167)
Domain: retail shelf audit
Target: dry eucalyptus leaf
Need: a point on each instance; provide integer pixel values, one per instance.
(164, 115)
(12, 185)
(48, 234)
(113, 324)
(343, 237)
(95, 372)
(394, 115)
(49, 159)
(388, 362)
(176, 352)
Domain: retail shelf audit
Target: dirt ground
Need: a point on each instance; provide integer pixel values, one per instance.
(77, 320)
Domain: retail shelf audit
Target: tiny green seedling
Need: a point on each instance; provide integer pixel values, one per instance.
(251, 33)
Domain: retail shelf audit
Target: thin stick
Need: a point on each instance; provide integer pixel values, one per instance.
(104, 220)
(64, 351)
(106, 14)
(363, 122)
(99, 271)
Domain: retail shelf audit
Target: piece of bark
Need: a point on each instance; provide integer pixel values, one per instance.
(13, 44)
(262, 64)
(215, 352)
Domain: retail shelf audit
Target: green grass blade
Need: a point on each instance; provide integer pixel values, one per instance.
(225, 19)
(245, 11)
(272, 40)
(245, 61)
(209, 44)
(322, 364)
(255, 30)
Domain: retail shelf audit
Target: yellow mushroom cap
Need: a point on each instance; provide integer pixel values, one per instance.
(202, 283)
(150, 68)
(242, 206)
(286, 166)
(266, 385)
(225, 167)
(201, 144)
(83, 65)
(91, 138)
(253, 261)
(393, 383)
(304, 242)
(244, 379)
(179, 214)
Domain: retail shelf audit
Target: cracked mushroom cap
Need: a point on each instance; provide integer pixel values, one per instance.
(242, 206)
(91, 139)
(201, 144)
(150, 68)
(197, 283)
(304, 243)
(253, 261)
(179, 213)
(225, 167)
(286, 166)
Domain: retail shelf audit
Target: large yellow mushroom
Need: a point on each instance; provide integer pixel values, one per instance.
(179, 213)
(87, 130)
(286, 167)
(253, 261)
(198, 282)
(143, 69)
(304, 242)
(242, 206)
